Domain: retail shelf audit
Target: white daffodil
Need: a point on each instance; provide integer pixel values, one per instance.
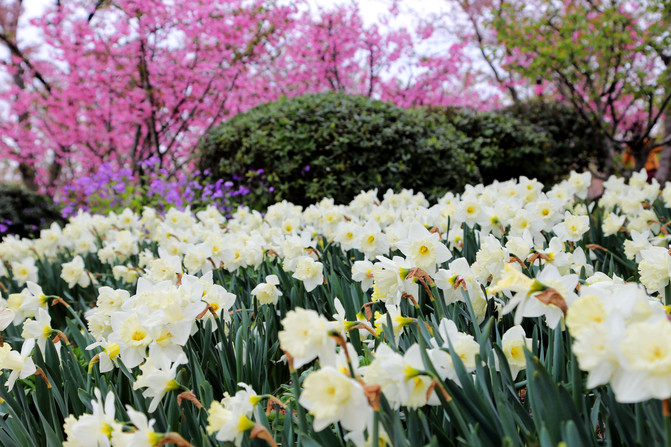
(612, 223)
(513, 342)
(158, 377)
(74, 272)
(132, 337)
(306, 336)
(389, 280)
(20, 363)
(362, 271)
(108, 357)
(372, 241)
(230, 418)
(424, 249)
(39, 329)
(144, 434)
(24, 271)
(96, 429)
(310, 272)
(330, 397)
(655, 268)
(463, 345)
(572, 228)
(646, 356)
(398, 321)
(267, 293)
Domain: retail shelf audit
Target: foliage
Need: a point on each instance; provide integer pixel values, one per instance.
(24, 213)
(335, 145)
(609, 60)
(504, 146)
(124, 82)
(575, 145)
(473, 387)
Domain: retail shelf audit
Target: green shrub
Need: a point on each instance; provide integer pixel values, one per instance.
(504, 146)
(24, 213)
(335, 145)
(575, 144)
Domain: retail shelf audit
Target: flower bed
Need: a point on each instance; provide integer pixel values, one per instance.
(501, 316)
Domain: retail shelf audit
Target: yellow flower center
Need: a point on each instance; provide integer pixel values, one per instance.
(245, 424)
(138, 335)
(112, 350)
(106, 429)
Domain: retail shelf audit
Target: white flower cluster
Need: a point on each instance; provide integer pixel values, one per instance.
(622, 337)
(530, 256)
(101, 429)
(155, 322)
(336, 392)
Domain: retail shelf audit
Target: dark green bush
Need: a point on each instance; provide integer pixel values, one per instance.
(575, 144)
(537, 139)
(24, 213)
(504, 146)
(335, 145)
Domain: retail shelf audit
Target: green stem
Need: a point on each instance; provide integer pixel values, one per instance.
(376, 429)
(302, 421)
(666, 412)
(438, 304)
(77, 317)
(640, 423)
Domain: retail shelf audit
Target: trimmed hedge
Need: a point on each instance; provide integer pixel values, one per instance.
(576, 144)
(24, 213)
(504, 147)
(335, 145)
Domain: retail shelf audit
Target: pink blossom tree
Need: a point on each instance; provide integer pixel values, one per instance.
(128, 80)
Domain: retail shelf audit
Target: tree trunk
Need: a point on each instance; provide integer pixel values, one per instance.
(640, 152)
(28, 174)
(664, 171)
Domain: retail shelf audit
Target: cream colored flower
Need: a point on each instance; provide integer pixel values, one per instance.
(655, 268)
(513, 342)
(20, 363)
(310, 272)
(424, 249)
(646, 348)
(332, 397)
(158, 377)
(74, 272)
(230, 418)
(572, 228)
(306, 336)
(267, 293)
(24, 271)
